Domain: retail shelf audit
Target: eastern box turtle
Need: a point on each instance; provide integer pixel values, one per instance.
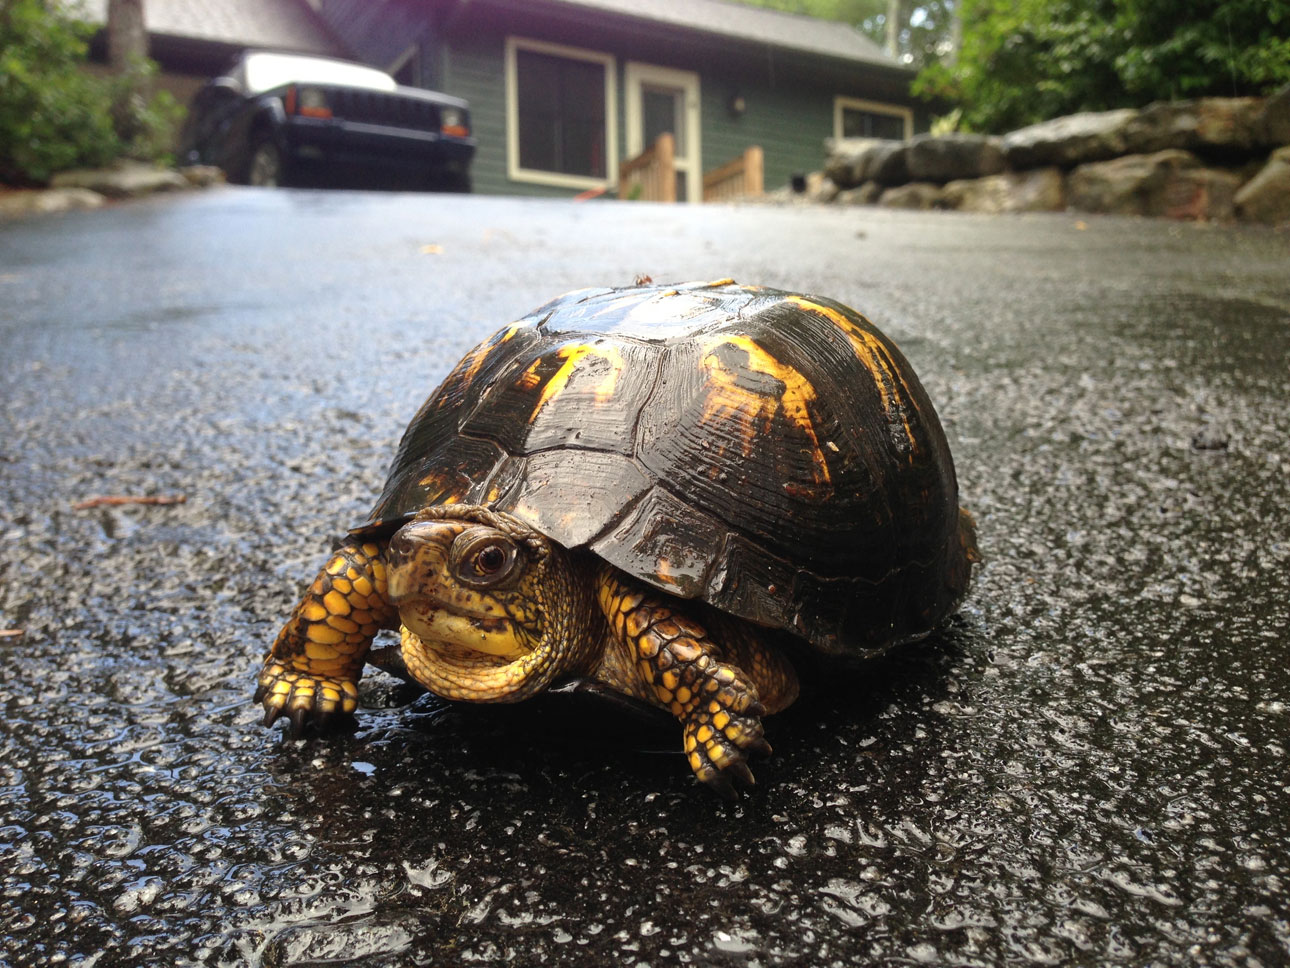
(662, 490)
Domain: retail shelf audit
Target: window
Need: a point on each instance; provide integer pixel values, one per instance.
(853, 118)
(560, 117)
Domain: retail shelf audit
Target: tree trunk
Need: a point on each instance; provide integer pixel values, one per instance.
(956, 34)
(893, 24)
(127, 36)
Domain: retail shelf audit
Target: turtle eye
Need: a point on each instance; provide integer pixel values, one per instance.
(483, 558)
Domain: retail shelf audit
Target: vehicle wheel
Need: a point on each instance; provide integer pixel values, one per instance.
(264, 170)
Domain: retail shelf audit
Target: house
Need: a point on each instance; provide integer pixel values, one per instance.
(563, 91)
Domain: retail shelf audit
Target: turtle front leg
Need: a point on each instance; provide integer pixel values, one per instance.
(312, 671)
(718, 691)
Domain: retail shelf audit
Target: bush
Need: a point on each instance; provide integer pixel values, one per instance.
(54, 115)
(1029, 60)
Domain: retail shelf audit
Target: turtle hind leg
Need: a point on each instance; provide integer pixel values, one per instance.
(717, 700)
(311, 672)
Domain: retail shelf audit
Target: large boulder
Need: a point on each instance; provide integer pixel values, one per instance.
(946, 157)
(866, 194)
(1171, 183)
(1215, 125)
(848, 161)
(889, 163)
(1039, 190)
(1071, 140)
(123, 180)
(1266, 196)
(916, 195)
(1275, 118)
(31, 201)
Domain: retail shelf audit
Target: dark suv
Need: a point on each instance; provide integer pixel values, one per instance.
(277, 119)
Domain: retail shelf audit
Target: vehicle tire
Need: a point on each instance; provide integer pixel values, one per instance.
(264, 167)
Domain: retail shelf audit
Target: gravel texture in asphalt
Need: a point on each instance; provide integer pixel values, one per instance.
(1087, 766)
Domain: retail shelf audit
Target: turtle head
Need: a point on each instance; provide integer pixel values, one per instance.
(492, 611)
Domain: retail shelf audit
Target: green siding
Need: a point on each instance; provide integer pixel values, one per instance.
(789, 99)
(790, 127)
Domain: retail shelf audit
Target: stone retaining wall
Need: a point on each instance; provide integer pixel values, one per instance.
(1211, 158)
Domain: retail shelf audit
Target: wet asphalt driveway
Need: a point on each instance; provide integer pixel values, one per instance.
(1089, 766)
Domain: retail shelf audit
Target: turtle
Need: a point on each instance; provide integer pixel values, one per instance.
(672, 492)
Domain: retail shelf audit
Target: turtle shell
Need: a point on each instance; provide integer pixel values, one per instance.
(772, 454)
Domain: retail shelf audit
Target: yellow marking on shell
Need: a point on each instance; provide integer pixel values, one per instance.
(530, 379)
(481, 352)
(342, 585)
(313, 611)
(876, 358)
(665, 571)
(728, 403)
(719, 282)
(362, 585)
(572, 355)
(336, 565)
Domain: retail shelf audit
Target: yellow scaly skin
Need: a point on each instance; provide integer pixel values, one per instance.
(311, 673)
(474, 633)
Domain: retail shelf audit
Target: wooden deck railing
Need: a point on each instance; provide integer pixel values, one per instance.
(651, 175)
(741, 178)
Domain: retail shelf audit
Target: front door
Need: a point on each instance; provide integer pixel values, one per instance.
(659, 100)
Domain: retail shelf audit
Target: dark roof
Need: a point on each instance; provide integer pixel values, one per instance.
(773, 28)
(279, 24)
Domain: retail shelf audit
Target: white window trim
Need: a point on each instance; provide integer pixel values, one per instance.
(873, 107)
(536, 176)
(636, 76)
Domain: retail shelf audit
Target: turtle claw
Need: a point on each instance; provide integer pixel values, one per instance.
(719, 756)
(271, 714)
(306, 700)
(722, 786)
(298, 715)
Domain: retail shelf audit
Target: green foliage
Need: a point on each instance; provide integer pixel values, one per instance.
(1027, 60)
(924, 30)
(54, 115)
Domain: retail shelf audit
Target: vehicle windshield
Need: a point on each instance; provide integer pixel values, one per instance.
(264, 72)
